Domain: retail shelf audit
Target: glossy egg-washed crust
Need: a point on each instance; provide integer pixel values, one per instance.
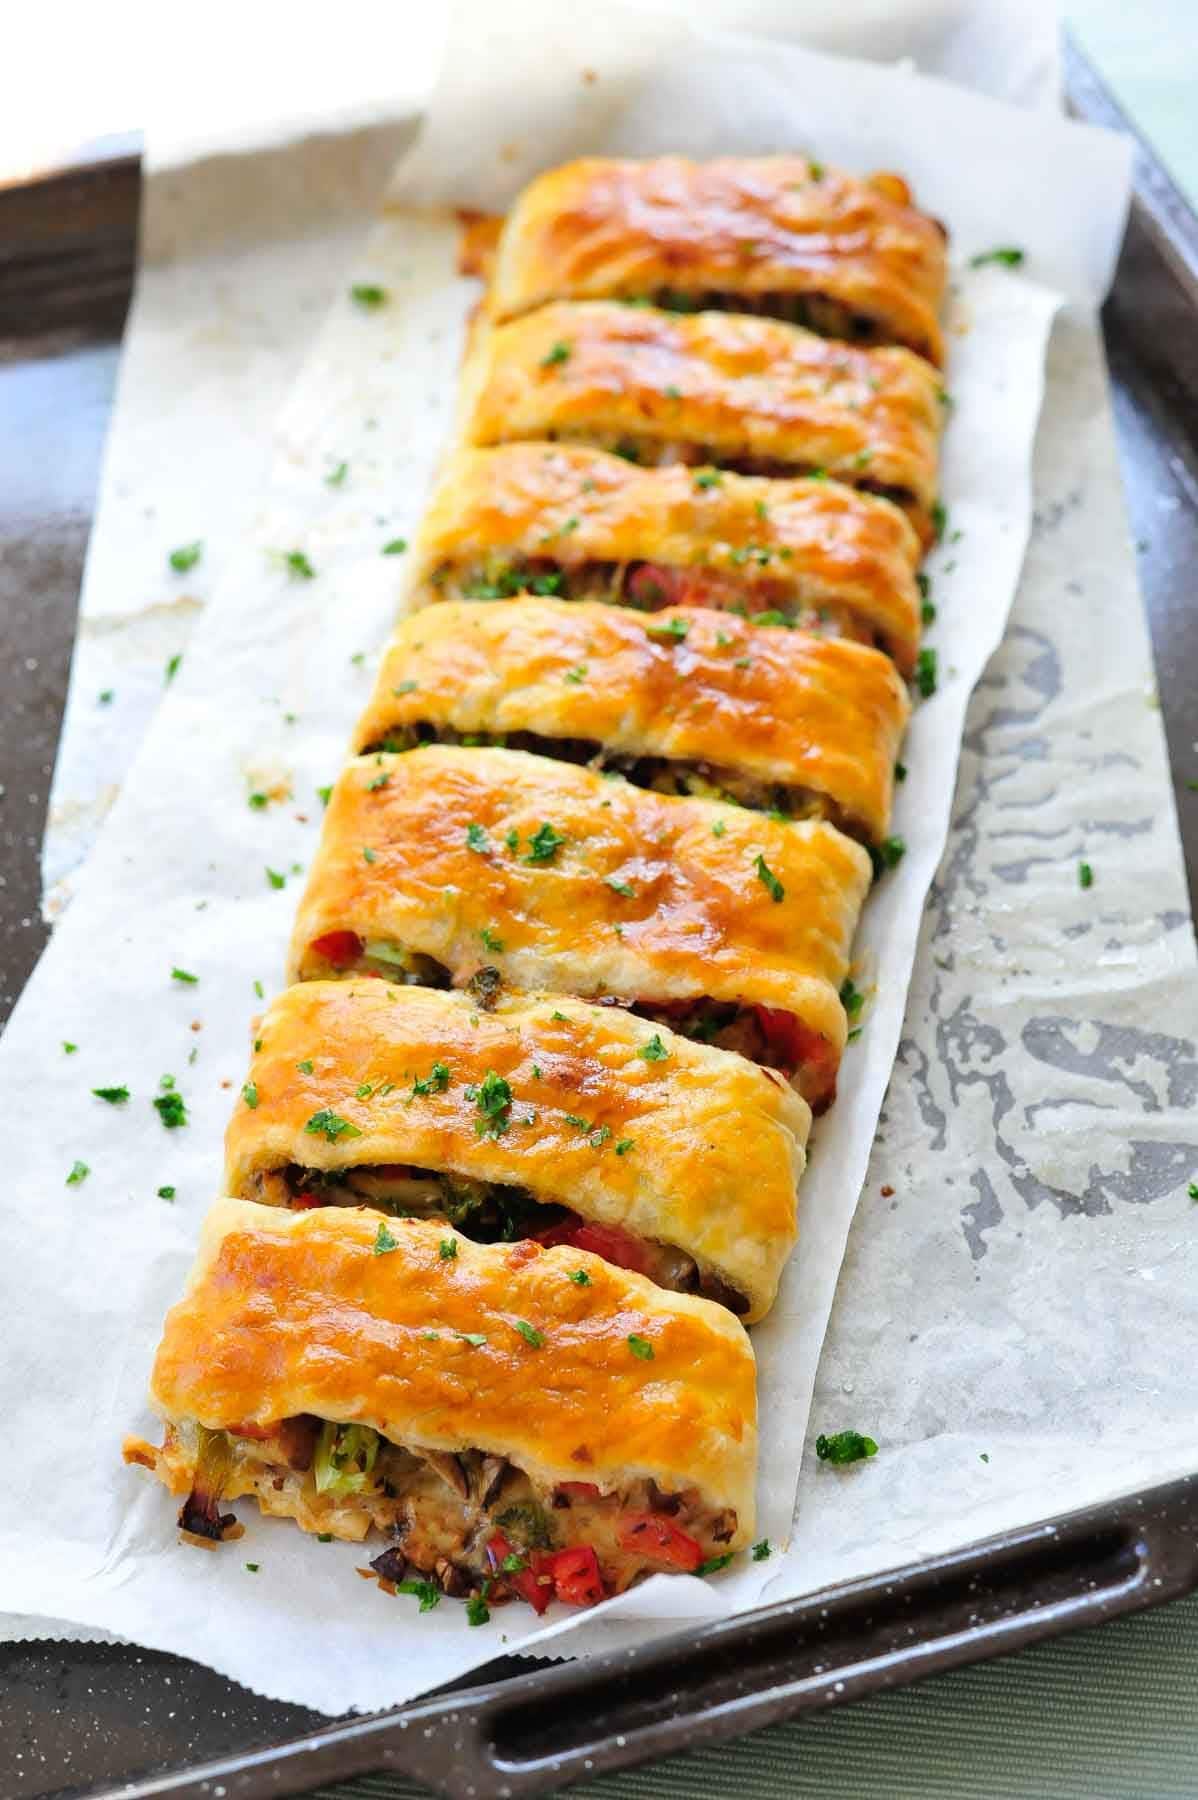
(598, 229)
(689, 916)
(574, 505)
(289, 1313)
(717, 1143)
(740, 388)
(816, 713)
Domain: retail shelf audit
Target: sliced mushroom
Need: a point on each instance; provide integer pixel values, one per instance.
(723, 1526)
(449, 1469)
(455, 1582)
(391, 1565)
(492, 1476)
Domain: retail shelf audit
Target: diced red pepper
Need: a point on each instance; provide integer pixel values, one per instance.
(657, 1538)
(791, 1045)
(654, 585)
(575, 1573)
(338, 947)
(304, 1202)
(621, 1248)
(579, 1490)
(538, 1592)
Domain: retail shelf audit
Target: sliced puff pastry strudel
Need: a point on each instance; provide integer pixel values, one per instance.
(519, 1422)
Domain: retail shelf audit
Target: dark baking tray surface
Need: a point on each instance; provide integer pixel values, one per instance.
(80, 1718)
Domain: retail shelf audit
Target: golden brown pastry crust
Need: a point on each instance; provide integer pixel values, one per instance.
(716, 387)
(573, 506)
(742, 226)
(642, 900)
(821, 714)
(288, 1313)
(717, 1143)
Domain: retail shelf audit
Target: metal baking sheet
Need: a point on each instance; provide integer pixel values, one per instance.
(101, 1718)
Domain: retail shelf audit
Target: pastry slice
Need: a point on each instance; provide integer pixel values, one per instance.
(581, 524)
(514, 1422)
(493, 868)
(718, 389)
(848, 256)
(526, 1117)
(686, 701)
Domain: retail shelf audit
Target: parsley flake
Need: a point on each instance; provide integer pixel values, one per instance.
(529, 1333)
(367, 295)
(368, 854)
(713, 1563)
(476, 1339)
(170, 1108)
(275, 879)
(383, 1243)
(640, 1347)
(106, 696)
(115, 1096)
(477, 839)
(477, 1610)
(925, 672)
(560, 353)
(324, 795)
(186, 556)
(249, 1094)
(336, 477)
(718, 828)
(68, 1048)
(297, 564)
(396, 547)
(330, 1126)
(769, 880)
(1004, 257)
(851, 998)
(888, 854)
(620, 887)
(1085, 875)
(579, 1277)
(305, 1067)
(708, 478)
(654, 1050)
(624, 1146)
(427, 1592)
(173, 665)
(544, 844)
(493, 1097)
(185, 976)
(491, 940)
(166, 1193)
(844, 1447)
(761, 1550)
(675, 628)
(79, 1172)
(435, 1082)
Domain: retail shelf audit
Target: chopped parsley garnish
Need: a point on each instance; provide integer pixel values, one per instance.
(654, 1050)
(900, 771)
(477, 839)
(336, 476)
(186, 556)
(939, 518)
(275, 879)
(395, 547)
(544, 844)
(435, 1082)
(324, 1537)
(851, 998)
(324, 795)
(366, 294)
(296, 563)
(405, 687)
(561, 1017)
(577, 675)
(249, 1094)
(761, 1550)
(367, 854)
(580, 1278)
(718, 828)
(769, 880)
(330, 1126)
(1193, 1190)
(713, 1563)
(185, 976)
(675, 628)
(305, 1067)
(493, 1097)
(925, 672)
(259, 990)
(476, 1339)
(427, 1592)
(173, 665)
(68, 1048)
(166, 1193)
(1006, 258)
(447, 1249)
(578, 1124)
(106, 696)
(477, 1610)
(640, 1347)
(79, 1172)
(257, 801)
(844, 1447)
(1085, 875)
(620, 887)
(491, 940)
(380, 781)
(384, 1243)
(115, 1096)
(529, 1333)
(559, 354)
(708, 478)
(889, 853)
(170, 1108)
(253, 1567)
(624, 1146)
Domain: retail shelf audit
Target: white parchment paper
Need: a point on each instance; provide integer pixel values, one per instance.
(268, 691)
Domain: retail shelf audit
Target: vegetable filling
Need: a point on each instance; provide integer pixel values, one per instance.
(487, 1212)
(816, 312)
(469, 1525)
(751, 590)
